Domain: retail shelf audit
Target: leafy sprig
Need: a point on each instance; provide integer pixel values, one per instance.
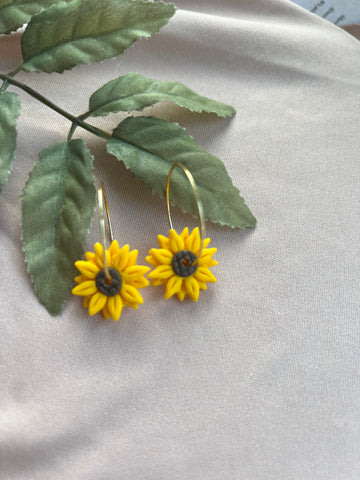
(59, 197)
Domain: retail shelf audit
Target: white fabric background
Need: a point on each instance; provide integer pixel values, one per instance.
(259, 380)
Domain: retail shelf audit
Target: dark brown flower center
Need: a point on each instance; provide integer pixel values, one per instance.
(109, 287)
(182, 263)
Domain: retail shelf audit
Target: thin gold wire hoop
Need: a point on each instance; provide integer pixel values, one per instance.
(103, 206)
(199, 204)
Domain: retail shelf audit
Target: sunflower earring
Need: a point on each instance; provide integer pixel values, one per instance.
(109, 279)
(182, 262)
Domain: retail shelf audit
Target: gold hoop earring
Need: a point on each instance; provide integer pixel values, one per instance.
(109, 278)
(183, 261)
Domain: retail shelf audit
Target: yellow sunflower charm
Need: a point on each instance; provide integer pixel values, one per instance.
(177, 266)
(110, 295)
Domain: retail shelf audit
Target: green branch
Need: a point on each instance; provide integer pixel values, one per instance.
(75, 125)
(76, 121)
(11, 74)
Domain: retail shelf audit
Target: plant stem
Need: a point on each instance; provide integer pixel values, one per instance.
(16, 70)
(75, 120)
(75, 125)
(11, 74)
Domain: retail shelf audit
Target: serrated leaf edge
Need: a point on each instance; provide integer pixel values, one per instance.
(179, 104)
(98, 61)
(10, 169)
(218, 222)
(23, 248)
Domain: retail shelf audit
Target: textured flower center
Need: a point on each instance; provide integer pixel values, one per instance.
(109, 287)
(182, 263)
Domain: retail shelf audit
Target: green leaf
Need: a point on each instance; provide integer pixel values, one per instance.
(87, 31)
(135, 92)
(14, 13)
(57, 207)
(149, 146)
(9, 112)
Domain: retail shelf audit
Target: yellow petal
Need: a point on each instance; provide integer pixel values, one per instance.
(140, 282)
(162, 271)
(203, 274)
(130, 294)
(132, 258)
(106, 312)
(163, 242)
(133, 305)
(158, 281)
(97, 303)
(210, 263)
(161, 256)
(134, 272)
(86, 301)
(185, 233)
(121, 258)
(193, 241)
(206, 242)
(208, 251)
(99, 255)
(88, 269)
(202, 286)
(90, 256)
(79, 279)
(114, 248)
(206, 255)
(115, 306)
(176, 242)
(181, 293)
(152, 261)
(85, 288)
(173, 285)
(192, 288)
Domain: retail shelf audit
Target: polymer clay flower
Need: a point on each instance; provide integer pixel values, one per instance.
(176, 267)
(123, 289)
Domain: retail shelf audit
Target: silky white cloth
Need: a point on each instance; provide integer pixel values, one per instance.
(258, 380)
